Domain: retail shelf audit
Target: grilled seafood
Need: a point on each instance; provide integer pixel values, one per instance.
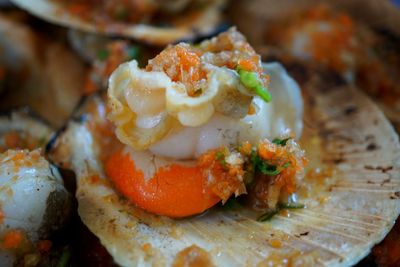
(189, 19)
(335, 213)
(19, 129)
(192, 103)
(34, 203)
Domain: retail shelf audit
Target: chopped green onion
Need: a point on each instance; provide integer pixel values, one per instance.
(103, 54)
(280, 206)
(268, 215)
(292, 205)
(250, 81)
(265, 168)
(220, 156)
(281, 142)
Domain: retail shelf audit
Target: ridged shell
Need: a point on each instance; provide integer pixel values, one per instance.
(344, 218)
(204, 24)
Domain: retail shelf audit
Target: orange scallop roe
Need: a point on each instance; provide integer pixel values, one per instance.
(174, 191)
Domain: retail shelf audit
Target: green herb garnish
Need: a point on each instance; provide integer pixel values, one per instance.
(103, 54)
(268, 215)
(220, 156)
(279, 207)
(267, 169)
(281, 142)
(260, 165)
(291, 205)
(250, 80)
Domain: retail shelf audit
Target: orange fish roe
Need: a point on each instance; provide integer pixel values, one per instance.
(231, 49)
(249, 64)
(12, 239)
(245, 148)
(225, 178)
(186, 64)
(182, 64)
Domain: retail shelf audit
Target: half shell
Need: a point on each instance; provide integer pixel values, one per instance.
(352, 198)
(31, 131)
(187, 27)
(40, 73)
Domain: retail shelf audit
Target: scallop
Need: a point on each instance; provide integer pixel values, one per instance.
(351, 203)
(161, 109)
(279, 118)
(184, 25)
(22, 129)
(32, 196)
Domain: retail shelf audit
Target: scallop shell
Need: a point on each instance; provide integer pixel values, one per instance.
(368, 12)
(348, 210)
(41, 73)
(254, 11)
(24, 121)
(205, 24)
